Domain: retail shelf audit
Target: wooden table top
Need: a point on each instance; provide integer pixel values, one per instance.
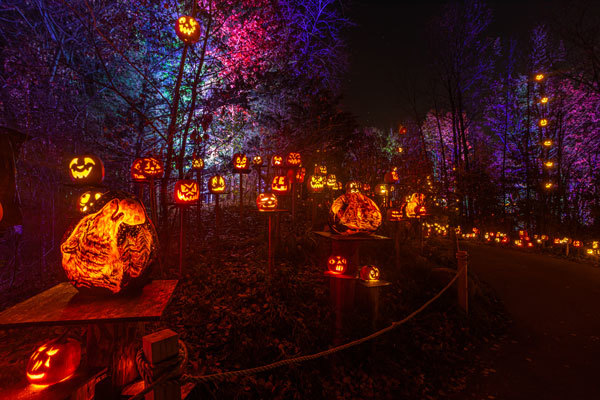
(350, 238)
(64, 305)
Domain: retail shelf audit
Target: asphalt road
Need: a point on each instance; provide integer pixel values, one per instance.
(552, 350)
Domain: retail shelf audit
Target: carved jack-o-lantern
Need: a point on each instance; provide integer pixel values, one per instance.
(241, 163)
(187, 29)
(300, 174)
(316, 183)
(415, 206)
(257, 161)
(277, 161)
(293, 159)
(353, 187)
(391, 176)
(112, 247)
(395, 214)
(354, 213)
(152, 168)
(216, 184)
(321, 169)
(54, 361)
(197, 163)
(369, 273)
(337, 264)
(366, 187)
(87, 169)
(331, 181)
(382, 189)
(87, 201)
(186, 191)
(280, 184)
(266, 202)
(137, 170)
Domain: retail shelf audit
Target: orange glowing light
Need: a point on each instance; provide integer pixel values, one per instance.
(187, 29)
(337, 264)
(544, 100)
(186, 191)
(54, 362)
(547, 143)
(548, 185)
(369, 273)
(539, 77)
(266, 202)
(543, 122)
(549, 164)
(216, 184)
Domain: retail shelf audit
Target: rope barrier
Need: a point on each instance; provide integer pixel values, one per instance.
(250, 371)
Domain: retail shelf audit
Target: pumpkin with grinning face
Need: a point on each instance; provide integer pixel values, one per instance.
(87, 201)
(266, 202)
(369, 273)
(111, 248)
(277, 161)
(187, 29)
(293, 159)
(241, 163)
(216, 184)
(87, 169)
(54, 361)
(280, 184)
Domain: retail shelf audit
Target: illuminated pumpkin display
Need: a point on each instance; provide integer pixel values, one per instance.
(353, 187)
(415, 206)
(87, 169)
(293, 160)
(152, 168)
(87, 200)
(316, 183)
(257, 161)
(300, 175)
(369, 273)
(277, 161)
(321, 169)
(111, 248)
(216, 184)
(354, 213)
(54, 361)
(266, 202)
(338, 186)
(187, 29)
(241, 163)
(197, 163)
(137, 170)
(382, 189)
(280, 184)
(366, 187)
(391, 176)
(395, 215)
(331, 181)
(402, 130)
(186, 191)
(576, 243)
(337, 264)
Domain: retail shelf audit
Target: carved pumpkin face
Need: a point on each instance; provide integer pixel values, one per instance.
(316, 184)
(241, 163)
(257, 161)
(391, 176)
(395, 214)
(87, 200)
(187, 29)
(353, 187)
(280, 184)
(414, 206)
(216, 184)
(293, 160)
(152, 168)
(337, 264)
(87, 169)
(331, 181)
(300, 174)
(366, 187)
(321, 169)
(354, 213)
(54, 361)
(382, 189)
(266, 202)
(277, 161)
(110, 248)
(576, 243)
(369, 273)
(137, 170)
(186, 191)
(197, 163)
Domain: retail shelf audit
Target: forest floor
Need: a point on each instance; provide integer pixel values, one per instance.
(551, 349)
(232, 317)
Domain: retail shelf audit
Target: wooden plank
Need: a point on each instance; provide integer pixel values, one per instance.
(64, 305)
(350, 238)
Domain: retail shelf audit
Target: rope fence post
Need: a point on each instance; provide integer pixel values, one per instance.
(462, 283)
(158, 347)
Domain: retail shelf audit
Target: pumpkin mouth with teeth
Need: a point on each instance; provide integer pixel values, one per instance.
(110, 247)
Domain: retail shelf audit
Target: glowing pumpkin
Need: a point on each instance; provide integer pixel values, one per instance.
(54, 361)
(87, 200)
(395, 214)
(391, 176)
(266, 202)
(152, 168)
(216, 184)
(186, 191)
(366, 187)
(382, 189)
(111, 248)
(293, 160)
(369, 273)
(197, 163)
(277, 161)
(300, 174)
(257, 161)
(87, 170)
(337, 264)
(353, 187)
(187, 29)
(241, 163)
(576, 243)
(137, 170)
(316, 184)
(280, 184)
(354, 213)
(415, 206)
(321, 169)
(331, 181)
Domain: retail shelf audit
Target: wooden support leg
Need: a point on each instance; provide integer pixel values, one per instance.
(463, 294)
(158, 347)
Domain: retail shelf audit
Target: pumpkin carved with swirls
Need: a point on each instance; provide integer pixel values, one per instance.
(354, 213)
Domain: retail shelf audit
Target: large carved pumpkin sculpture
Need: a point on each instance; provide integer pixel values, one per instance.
(54, 361)
(354, 213)
(111, 248)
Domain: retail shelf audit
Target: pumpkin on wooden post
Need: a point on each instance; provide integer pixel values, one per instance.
(337, 265)
(54, 361)
(281, 184)
(187, 29)
(87, 169)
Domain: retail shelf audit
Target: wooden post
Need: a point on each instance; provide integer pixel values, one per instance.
(158, 347)
(153, 202)
(293, 203)
(397, 244)
(463, 289)
(199, 204)
(181, 237)
(270, 255)
(217, 217)
(241, 197)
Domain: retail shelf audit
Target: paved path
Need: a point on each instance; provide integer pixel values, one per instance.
(553, 345)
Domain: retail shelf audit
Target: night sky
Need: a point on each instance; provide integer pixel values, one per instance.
(389, 45)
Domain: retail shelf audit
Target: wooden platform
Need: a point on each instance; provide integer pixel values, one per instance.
(64, 305)
(351, 238)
